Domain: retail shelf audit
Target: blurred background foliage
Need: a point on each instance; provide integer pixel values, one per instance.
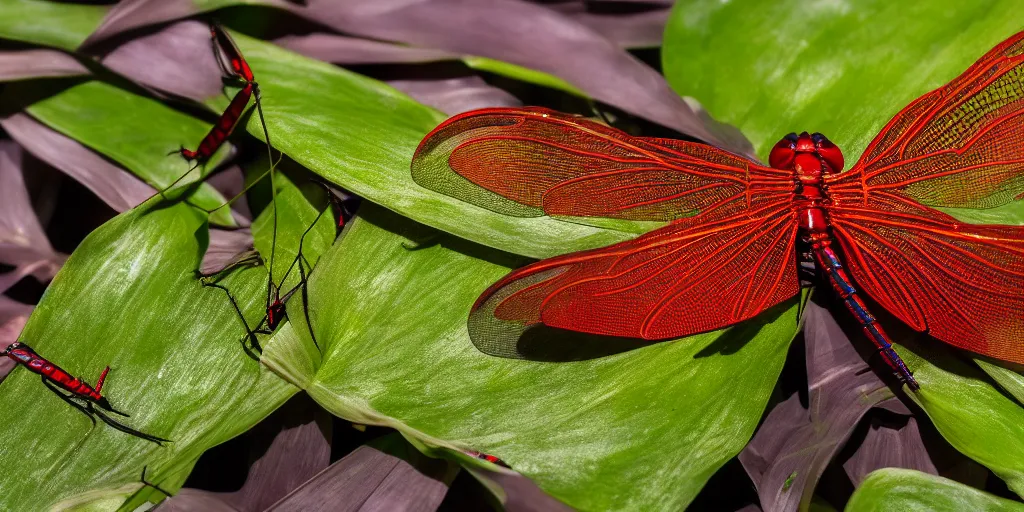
(387, 407)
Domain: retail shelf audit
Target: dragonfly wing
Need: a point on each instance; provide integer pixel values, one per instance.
(962, 283)
(959, 146)
(686, 278)
(530, 162)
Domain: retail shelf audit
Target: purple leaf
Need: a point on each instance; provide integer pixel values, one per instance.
(226, 247)
(367, 479)
(38, 63)
(13, 316)
(190, 500)
(635, 29)
(521, 494)
(288, 448)
(889, 448)
(23, 242)
(525, 34)
(794, 445)
(113, 185)
(354, 50)
(132, 14)
(300, 448)
(456, 95)
(178, 59)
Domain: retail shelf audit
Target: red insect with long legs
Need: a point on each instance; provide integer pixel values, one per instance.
(73, 390)
(275, 308)
(236, 72)
(729, 250)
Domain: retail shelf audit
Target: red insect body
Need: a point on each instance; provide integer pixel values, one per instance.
(240, 70)
(35, 363)
(58, 380)
(728, 250)
(223, 128)
(489, 458)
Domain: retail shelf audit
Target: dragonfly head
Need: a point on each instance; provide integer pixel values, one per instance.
(786, 153)
(11, 348)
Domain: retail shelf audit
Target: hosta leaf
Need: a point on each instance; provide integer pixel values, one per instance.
(906, 490)
(361, 134)
(969, 411)
(127, 298)
(135, 131)
(640, 429)
(58, 24)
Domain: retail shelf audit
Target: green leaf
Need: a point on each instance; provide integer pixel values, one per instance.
(969, 412)
(361, 134)
(839, 68)
(905, 490)
(641, 429)
(1010, 380)
(127, 298)
(58, 24)
(134, 131)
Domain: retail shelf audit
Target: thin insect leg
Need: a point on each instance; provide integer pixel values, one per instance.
(151, 484)
(336, 202)
(302, 240)
(249, 333)
(128, 430)
(88, 412)
(305, 303)
(162, 191)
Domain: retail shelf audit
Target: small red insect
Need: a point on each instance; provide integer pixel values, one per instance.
(237, 72)
(80, 394)
(275, 308)
(489, 458)
(729, 249)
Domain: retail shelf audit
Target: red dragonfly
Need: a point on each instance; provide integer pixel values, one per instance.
(73, 390)
(734, 227)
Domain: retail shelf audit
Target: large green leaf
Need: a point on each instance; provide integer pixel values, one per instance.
(58, 24)
(968, 410)
(361, 134)
(127, 297)
(839, 68)
(905, 490)
(135, 131)
(642, 429)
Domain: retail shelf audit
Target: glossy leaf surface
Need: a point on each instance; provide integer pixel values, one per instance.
(900, 490)
(397, 353)
(127, 298)
(138, 132)
(361, 134)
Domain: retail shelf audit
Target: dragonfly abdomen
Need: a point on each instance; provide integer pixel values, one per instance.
(830, 265)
